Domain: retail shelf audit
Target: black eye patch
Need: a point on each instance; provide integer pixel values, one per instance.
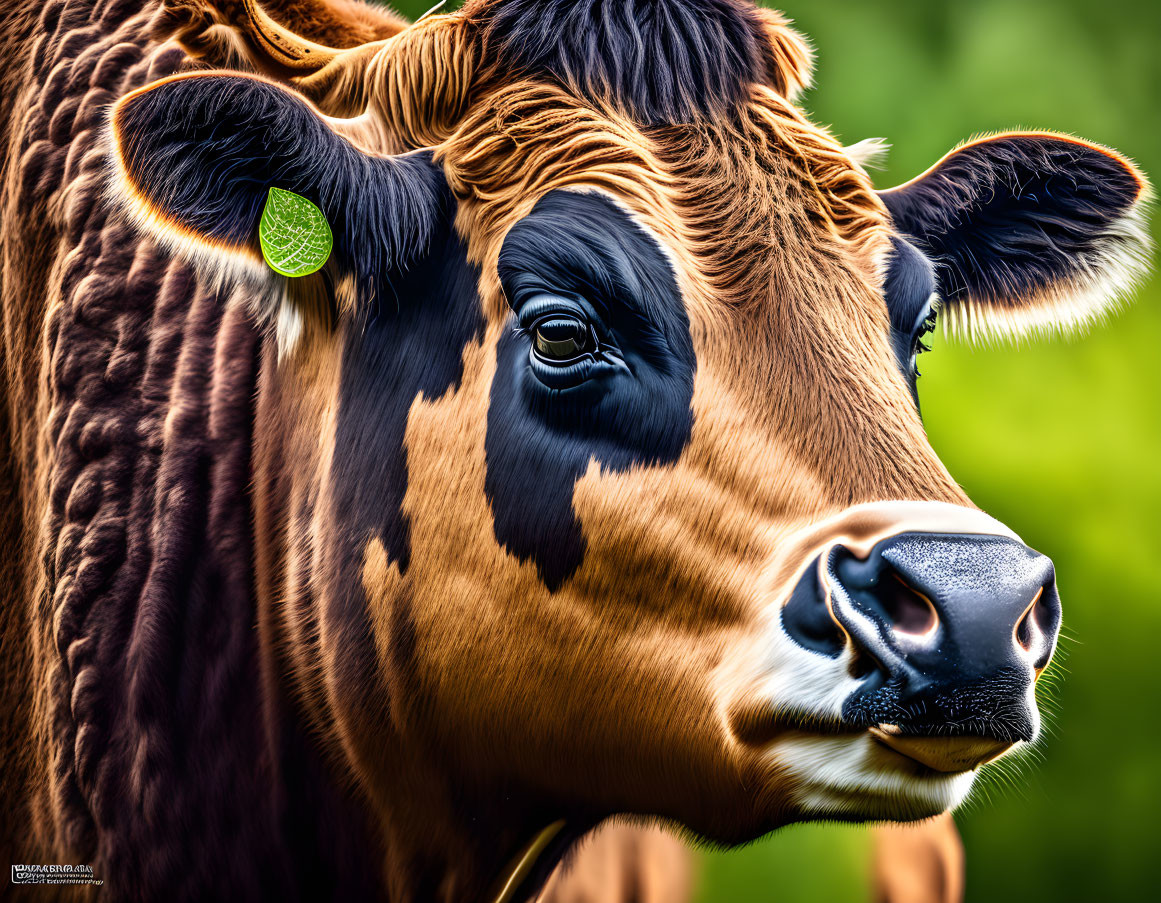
(580, 258)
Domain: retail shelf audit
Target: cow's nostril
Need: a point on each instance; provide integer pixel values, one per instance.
(908, 610)
(1029, 624)
(1039, 624)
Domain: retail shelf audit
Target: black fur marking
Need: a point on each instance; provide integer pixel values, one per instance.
(205, 150)
(660, 62)
(1007, 218)
(412, 343)
(585, 251)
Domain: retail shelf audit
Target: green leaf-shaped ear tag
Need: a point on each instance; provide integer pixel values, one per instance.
(295, 236)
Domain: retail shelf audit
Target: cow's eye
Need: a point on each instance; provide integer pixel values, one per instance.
(926, 328)
(561, 339)
(569, 344)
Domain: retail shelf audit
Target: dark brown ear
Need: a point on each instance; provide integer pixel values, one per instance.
(1029, 231)
(201, 189)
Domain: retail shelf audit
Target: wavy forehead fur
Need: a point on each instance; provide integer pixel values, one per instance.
(652, 62)
(764, 174)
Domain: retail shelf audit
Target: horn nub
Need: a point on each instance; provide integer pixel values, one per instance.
(283, 46)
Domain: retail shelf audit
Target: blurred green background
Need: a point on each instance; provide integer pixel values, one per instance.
(1060, 439)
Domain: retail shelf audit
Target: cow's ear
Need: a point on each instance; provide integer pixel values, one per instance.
(1030, 232)
(196, 156)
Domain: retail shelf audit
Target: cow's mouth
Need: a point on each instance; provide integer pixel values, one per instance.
(859, 767)
(942, 752)
(852, 769)
(948, 755)
(859, 777)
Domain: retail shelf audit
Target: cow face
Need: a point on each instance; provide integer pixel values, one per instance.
(590, 466)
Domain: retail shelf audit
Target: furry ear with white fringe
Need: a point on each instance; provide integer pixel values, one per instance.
(1030, 232)
(196, 159)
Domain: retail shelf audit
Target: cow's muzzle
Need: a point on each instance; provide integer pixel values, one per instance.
(947, 634)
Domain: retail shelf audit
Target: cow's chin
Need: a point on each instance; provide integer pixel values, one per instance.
(854, 777)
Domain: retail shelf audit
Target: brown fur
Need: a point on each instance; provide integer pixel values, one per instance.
(919, 863)
(624, 863)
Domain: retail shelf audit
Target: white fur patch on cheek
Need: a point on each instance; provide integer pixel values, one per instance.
(852, 776)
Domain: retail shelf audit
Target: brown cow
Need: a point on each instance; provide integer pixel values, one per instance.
(582, 477)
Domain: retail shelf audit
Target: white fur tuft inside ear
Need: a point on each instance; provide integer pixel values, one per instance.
(1107, 276)
(221, 265)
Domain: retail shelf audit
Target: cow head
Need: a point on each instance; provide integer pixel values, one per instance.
(589, 469)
